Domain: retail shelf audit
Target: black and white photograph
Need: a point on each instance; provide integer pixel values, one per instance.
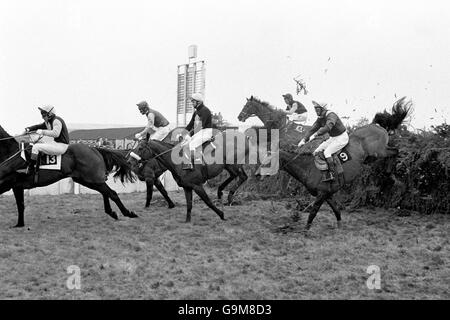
(246, 151)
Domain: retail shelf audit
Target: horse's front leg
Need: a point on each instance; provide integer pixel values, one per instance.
(149, 183)
(334, 206)
(19, 195)
(321, 197)
(188, 194)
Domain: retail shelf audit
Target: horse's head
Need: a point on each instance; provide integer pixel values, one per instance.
(144, 151)
(250, 109)
(139, 155)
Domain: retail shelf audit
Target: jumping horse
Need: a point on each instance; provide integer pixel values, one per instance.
(370, 141)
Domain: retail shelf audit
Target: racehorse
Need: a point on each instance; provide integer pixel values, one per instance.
(370, 141)
(85, 165)
(149, 170)
(273, 118)
(150, 173)
(223, 146)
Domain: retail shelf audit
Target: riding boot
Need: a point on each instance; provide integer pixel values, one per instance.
(32, 164)
(190, 166)
(331, 173)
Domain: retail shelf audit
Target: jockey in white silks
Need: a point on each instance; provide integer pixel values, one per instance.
(327, 122)
(200, 128)
(156, 123)
(53, 136)
(296, 110)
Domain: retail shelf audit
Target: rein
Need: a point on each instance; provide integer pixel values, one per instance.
(13, 156)
(21, 135)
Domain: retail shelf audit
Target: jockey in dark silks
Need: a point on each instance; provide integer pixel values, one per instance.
(156, 122)
(53, 136)
(200, 127)
(296, 110)
(327, 122)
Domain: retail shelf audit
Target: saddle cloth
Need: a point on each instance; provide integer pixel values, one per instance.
(339, 158)
(46, 161)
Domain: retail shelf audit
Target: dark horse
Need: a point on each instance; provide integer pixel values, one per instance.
(370, 141)
(164, 152)
(150, 170)
(85, 165)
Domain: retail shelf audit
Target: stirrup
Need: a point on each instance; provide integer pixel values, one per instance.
(327, 176)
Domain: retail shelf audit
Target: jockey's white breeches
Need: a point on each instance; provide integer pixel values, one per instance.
(333, 145)
(200, 138)
(295, 117)
(160, 133)
(49, 146)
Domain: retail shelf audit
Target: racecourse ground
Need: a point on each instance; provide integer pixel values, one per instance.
(158, 256)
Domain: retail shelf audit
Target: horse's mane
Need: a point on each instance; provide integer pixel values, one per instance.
(167, 145)
(391, 121)
(3, 133)
(268, 105)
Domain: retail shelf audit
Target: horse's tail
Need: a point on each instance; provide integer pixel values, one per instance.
(391, 121)
(115, 160)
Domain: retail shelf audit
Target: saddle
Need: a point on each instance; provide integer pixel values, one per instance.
(44, 161)
(339, 158)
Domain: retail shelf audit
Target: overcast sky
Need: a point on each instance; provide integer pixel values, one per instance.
(94, 59)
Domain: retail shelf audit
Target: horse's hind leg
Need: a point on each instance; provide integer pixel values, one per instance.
(204, 196)
(224, 184)
(106, 190)
(107, 194)
(242, 178)
(163, 191)
(108, 210)
(315, 208)
(334, 206)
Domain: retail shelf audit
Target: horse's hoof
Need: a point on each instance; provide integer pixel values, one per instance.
(171, 206)
(308, 226)
(113, 215)
(131, 214)
(147, 206)
(339, 225)
(19, 225)
(187, 221)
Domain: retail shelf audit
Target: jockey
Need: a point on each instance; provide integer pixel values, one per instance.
(200, 127)
(54, 136)
(156, 122)
(296, 110)
(327, 122)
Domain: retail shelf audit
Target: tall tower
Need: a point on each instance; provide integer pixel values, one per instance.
(191, 79)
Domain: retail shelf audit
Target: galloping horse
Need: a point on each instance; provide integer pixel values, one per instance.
(150, 170)
(368, 141)
(85, 165)
(224, 148)
(273, 118)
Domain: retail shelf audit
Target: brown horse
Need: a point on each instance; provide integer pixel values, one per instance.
(224, 153)
(370, 141)
(85, 165)
(150, 170)
(273, 118)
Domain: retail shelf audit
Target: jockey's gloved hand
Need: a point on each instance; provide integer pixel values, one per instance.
(40, 132)
(302, 142)
(137, 136)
